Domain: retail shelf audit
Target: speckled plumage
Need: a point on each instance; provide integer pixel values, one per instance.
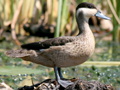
(62, 51)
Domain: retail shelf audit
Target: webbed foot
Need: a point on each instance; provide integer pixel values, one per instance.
(59, 77)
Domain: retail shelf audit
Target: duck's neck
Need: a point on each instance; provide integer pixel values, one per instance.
(82, 23)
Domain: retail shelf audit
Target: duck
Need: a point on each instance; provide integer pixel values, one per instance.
(40, 30)
(64, 51)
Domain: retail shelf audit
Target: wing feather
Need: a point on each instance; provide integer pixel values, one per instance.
(47, 43)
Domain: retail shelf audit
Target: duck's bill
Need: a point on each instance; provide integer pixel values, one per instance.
(101, 15)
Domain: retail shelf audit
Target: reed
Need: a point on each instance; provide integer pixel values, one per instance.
(115, 9)
(57, 31)
(101, 63)
(58, 16)
(64, 16)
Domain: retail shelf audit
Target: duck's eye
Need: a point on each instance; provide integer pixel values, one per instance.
(89, 6)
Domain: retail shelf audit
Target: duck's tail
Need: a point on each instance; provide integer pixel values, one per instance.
(21, 53)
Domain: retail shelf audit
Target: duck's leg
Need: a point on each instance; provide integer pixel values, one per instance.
(63, 83)
(60, 73)
(56, 73)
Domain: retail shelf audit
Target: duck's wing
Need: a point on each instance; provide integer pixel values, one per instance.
(47, 43)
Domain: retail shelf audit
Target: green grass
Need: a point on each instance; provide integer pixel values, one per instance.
(11, 70)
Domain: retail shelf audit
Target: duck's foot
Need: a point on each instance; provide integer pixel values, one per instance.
(64, 83)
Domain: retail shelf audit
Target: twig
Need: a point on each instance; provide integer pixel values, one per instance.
(1, 31)
(79, 84)
(15, 17)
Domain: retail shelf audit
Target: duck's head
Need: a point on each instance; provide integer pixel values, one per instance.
(88, 10)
